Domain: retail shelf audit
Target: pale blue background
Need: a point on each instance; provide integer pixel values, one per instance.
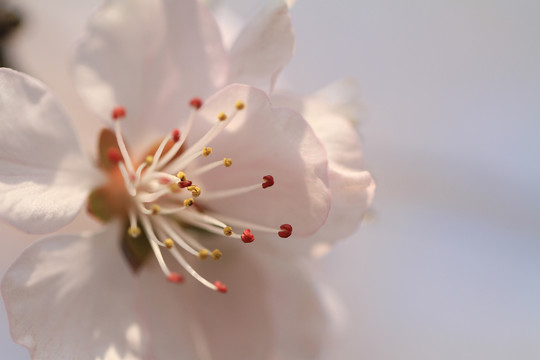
(450, 267)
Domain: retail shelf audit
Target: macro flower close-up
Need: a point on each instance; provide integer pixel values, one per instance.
(211, 190)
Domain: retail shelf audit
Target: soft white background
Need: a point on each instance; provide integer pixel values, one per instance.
(450, 267)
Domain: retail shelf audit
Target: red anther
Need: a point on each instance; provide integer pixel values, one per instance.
(221, 287)
(247, 236)
(114, 155)
(184, 184)
(195, 103)
(164, 181)
(268, 181)
(286, 231)
(176, 135)
(118, 112)
(175, 278)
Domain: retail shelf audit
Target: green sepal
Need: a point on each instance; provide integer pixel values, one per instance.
(97, 205)
(136, 250)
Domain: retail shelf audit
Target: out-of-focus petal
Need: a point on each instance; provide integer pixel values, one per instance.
(272, 310)
(262, 140)
(151, 57)
(44, 176)
(232, 15)
(352, 187)
(264, 47)
(343, 96)
(41, 48)
(72, 297)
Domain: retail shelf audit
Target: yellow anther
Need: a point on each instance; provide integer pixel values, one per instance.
(169, 243)
(222, 116)
(227, 162)
(155, 209)
(216, 254)
(188, 202)
(174, 187)
(181, 175)
(149, 160)
(195, 190)
(227, 231)
(134, 231)
(203, 254)
(206, 151)
(239, 105)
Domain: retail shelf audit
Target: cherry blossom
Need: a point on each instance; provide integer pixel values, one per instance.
(189, 170)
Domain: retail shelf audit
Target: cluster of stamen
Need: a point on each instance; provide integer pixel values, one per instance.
(162, 200)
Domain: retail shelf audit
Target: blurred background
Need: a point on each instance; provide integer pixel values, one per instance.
(448, 265)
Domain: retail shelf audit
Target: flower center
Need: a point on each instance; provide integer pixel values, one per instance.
(158, 198)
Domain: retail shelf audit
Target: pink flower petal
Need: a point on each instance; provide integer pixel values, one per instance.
(44, 176)
(270, 311)
(72, 297)
(151, 57)
(262, 140)
(264, 47)
(352, 187)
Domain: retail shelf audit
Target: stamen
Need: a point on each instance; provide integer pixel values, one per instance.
(169, 243)
(195, 190)
(181, 175)
(122, 146)
(220, 287)
(239, 105)
(268, 181)
(118, 112)
(190, 270)
(155, 209)
(158, 255)
(188, 202)
(228, 231)
(284, 228)
(214, 229)
(286, 231)
(134, 231)
(203, 254)
(206, 151)
(114, 155)
(222, 116)
(190, 240)
(153, 161)
(176, 135)
(203, 169)
(187, 157)
(175, 278)
(149, 160)
(148, 230)
(247, 236)
(195, 103)
(216, 254)
(166, 227)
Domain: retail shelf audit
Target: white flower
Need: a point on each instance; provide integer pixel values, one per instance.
(146, 62)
